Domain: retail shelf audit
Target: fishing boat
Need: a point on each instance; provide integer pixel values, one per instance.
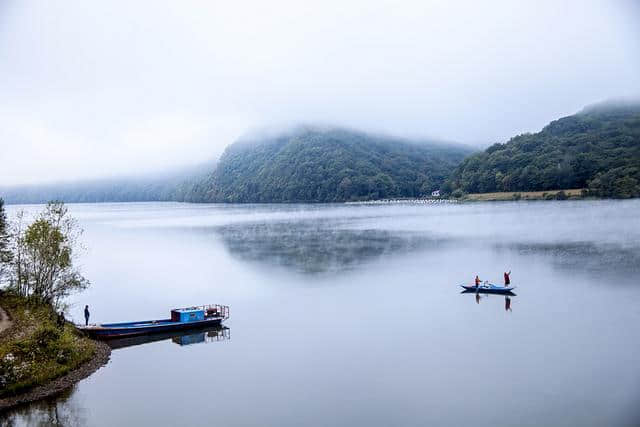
(488, 288)
(181, 318)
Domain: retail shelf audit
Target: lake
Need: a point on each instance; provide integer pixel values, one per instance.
(351, 315)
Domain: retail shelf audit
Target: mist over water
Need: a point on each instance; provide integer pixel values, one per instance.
(352, 315)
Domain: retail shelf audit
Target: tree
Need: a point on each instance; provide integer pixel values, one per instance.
(426, 187)
(344, 189)
(43, 256)
(5, 252)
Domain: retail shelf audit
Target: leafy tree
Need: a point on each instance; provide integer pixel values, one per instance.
(622, 183)
(5, 252)
(44, 253)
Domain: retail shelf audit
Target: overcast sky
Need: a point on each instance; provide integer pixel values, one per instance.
(91, 89)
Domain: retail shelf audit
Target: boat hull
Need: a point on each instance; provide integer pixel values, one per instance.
(119, 330)
(487, 290)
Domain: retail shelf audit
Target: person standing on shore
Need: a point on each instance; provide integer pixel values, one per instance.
(86, 315)
(61, 320)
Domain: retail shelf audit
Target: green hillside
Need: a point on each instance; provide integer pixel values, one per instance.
(335, 165)
(598, 149)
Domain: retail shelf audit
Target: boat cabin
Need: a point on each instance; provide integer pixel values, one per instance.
(189, 314)
(199, 313)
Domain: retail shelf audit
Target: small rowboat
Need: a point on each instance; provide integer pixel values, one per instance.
(488, 288)
(181, 319)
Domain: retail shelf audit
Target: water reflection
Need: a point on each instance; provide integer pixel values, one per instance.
(319, 246)
(58, 410)
(62, 410)
(185, 337)
(479, 296)
(221, 334)
(589, 258)
(571, 335)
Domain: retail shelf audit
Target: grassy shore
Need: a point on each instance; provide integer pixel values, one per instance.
(36, 350)
(574, 193)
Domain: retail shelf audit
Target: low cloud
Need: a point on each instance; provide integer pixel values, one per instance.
(100, 89)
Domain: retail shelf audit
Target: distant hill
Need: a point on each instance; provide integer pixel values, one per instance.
(598, 149)
(330, 165)
(177, 185)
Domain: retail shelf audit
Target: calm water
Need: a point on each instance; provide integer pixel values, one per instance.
(352, 315)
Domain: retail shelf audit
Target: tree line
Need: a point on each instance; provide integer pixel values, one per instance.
(597, 149)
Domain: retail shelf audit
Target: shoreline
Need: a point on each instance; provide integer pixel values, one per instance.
(502, 196)
(404, 201)
(99, 359)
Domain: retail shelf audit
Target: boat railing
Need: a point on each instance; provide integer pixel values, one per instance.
(222, 334)
(211, 310)
(216, 310)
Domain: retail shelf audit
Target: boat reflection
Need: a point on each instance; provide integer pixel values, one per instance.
(479, 296)
(507, 303)
(211, 335)
(184, 337)
(509, 294)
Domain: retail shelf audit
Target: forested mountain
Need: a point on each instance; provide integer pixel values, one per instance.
(598, 149)
(330, 165)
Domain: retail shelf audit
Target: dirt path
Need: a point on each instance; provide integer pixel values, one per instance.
(5, 322)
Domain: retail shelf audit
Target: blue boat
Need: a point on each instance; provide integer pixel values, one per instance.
(181, 319)
(488, 288)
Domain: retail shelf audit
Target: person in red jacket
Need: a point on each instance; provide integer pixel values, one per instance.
(507, 280)
(478, 281)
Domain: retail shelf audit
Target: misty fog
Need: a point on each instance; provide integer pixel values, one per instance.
(110, 89)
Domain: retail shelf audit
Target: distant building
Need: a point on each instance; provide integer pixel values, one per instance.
(435, 193)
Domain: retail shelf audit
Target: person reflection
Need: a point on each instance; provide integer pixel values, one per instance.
(507, 303)
(477, 298)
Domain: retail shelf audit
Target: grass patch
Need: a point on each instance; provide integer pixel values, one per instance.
(36, 349)
(575, 193)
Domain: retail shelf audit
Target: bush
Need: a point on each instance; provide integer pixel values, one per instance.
(45, 335)
(457, 194)
(8, 372)
(561, 195)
